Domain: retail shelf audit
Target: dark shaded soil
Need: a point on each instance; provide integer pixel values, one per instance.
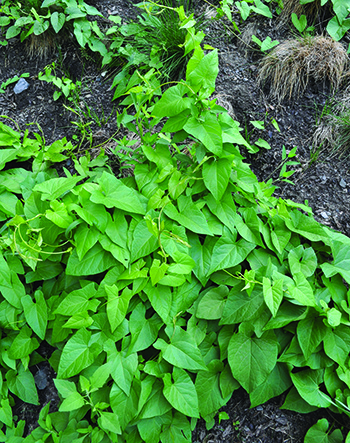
(324, 183)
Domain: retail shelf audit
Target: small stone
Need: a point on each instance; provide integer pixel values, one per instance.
(40, 379)
(21, 86)
(342, 183)
(324, 215)
(259, 408)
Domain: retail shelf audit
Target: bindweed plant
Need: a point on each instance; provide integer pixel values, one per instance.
(163, 39)
(64, 84)
(36, 18)
(161, 291)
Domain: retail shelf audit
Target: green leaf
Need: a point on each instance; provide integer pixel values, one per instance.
(123, 368)
(224, 210)
(211, 306)
(183, 263)
(156, 404)
(72, 402)
(273, 294)
(12, 31)
(307, 382)
(157, 271)
(55, 187)
(144, 331)
(302, 260)
(228, 252)
(307, 227)
(65, 387)
(241, 307)
(36, 313)
(6, 412)
(124, 407)
(277, 382)
(161, 300)
(201, 254)
(178, 430)
(341, 263)
(266, 45)
(76, 355)
(341, 9)
(57, 20)
(117, 305)
(6, 286)
(302, 291)
(207, 385)
(119, 253)
(334, 29)
(337, 344)
(82, 28)
(40, 27)
(204, 73)
(181, 394)
(78, 301)
(310, 332)
(182, 351)
(207, 130)
(252, 359)
(261, 9)
(23, 385)
(144, 242)
(296, 403)
(319, 433)
(23, 345)
(249, 229)
(216, 175)
(59, 216)
(114, 194)
(117, 229)
(96, 260)
(300, 23)
(172, 102)
(85, 238)
(176, 123)
(109, 422)
(188, 216)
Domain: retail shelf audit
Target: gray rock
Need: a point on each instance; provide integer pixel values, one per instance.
(342, 183)
(324, 215)
(40, 379)
(21, 86)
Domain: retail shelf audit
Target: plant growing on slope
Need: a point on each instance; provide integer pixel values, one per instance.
(37, 20)
(162, 39)
(161, 291)
(289, 67)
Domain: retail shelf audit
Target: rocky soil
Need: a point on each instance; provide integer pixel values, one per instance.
(323, 181)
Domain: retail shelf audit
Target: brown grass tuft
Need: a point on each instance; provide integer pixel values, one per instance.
(290, 65)
(333, 130)
(40, 46)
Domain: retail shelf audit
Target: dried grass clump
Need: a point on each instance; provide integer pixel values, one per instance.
(245, 39)
(333, 130)
(291, 64)
(40, 46)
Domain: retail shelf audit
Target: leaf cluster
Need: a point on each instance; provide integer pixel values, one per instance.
(163, 292)
(51, 16)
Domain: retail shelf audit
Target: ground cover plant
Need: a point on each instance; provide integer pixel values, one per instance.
(160, 292)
